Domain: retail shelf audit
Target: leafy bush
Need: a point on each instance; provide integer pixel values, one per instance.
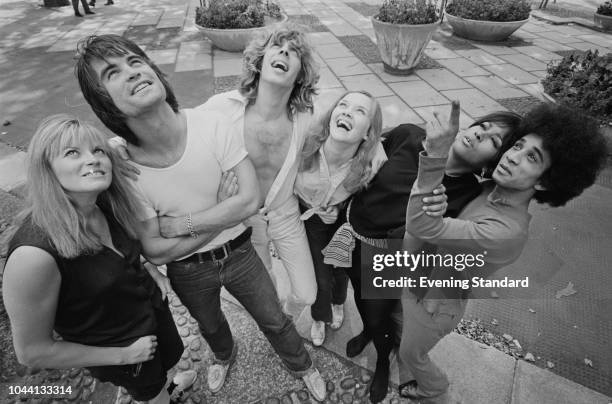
(408, 12)
(490, 10)
(605, 8)
(583, 81)
(235, 13)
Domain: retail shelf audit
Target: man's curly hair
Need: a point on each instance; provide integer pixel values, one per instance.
(301, 98)
(576, 146)
(100, 47)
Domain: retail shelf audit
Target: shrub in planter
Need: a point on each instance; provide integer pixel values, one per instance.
(408, 12)
(583, 82)
(403, 29)
(224, 14)
(487, 20)
(231, 24)
(490, 10)
(605, 8)
(603, 16)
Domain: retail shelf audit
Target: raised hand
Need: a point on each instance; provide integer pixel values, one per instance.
(119, 145)
(441, 134)
(141, 350)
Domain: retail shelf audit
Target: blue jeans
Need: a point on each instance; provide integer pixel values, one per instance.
(198, 285)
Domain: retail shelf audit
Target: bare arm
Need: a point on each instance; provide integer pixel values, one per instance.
(159, 250)
(227, 213)
(31, 288)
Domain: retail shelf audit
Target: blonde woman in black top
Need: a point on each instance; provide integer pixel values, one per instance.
(74, 267)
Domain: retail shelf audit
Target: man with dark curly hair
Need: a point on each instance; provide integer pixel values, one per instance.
(272, 111)
(558, 156)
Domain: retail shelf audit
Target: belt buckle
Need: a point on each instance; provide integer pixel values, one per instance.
(225, 254)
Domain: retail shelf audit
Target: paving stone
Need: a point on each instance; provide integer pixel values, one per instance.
(550, 45)
(310, 22)
(495, 87)
(474, 102)
(462, 67)
(334, 50)
(347, 66)
(322, 38)
(512, 74)
(531, 27)
(597, 39)
(368, 82)
(564, 37)
(227, 67)
(538, 53)
(148, 17)
(520, 105)
(364, 9)
(418, 93)
(163, 56)
(442, 79)
(586, 46)
(194, 56)
(479, 57)
(327, 79)
(495, 49)
(339, 27)
(363, 47)
(436, 50)
(524, 62)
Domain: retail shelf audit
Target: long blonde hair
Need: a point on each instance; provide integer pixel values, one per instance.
(48, 204)
(360, 171)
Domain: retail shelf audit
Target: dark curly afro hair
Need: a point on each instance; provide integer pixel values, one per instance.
(576, 146)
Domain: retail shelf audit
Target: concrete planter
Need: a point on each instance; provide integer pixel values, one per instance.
(483, 30)
(605, 21)
(401, 45)
(236, 40)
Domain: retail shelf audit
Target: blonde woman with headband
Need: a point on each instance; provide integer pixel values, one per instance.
(339, 158)
(74, 267)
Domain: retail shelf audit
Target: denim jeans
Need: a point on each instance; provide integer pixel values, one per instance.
(198, 285)
(331, 282)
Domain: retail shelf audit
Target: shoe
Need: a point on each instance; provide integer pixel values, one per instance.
(409, 390)
(182, 381)
(380, 381)
(92, 4)
(356, 344)
(89, 12)
(77, 14)
(337, 316)
(315, 384)
(217, 372)
(317, 332)
(109, 3)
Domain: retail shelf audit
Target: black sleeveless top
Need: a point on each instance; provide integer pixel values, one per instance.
(104, 299)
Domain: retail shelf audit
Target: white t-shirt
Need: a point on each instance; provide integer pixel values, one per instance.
(191, 184)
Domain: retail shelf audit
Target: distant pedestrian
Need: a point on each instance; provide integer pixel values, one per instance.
(75, 6)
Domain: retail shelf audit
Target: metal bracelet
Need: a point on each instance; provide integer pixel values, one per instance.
(190, 229)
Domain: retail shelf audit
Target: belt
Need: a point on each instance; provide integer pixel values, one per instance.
(219, 253)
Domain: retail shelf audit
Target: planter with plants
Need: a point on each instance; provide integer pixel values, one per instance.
(487, 20)
(603, 15)
(231, 24)
(403, 29)
(583, 82)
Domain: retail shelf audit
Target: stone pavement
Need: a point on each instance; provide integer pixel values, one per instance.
(36, 80)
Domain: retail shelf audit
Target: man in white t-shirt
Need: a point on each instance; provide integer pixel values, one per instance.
(182, 155)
